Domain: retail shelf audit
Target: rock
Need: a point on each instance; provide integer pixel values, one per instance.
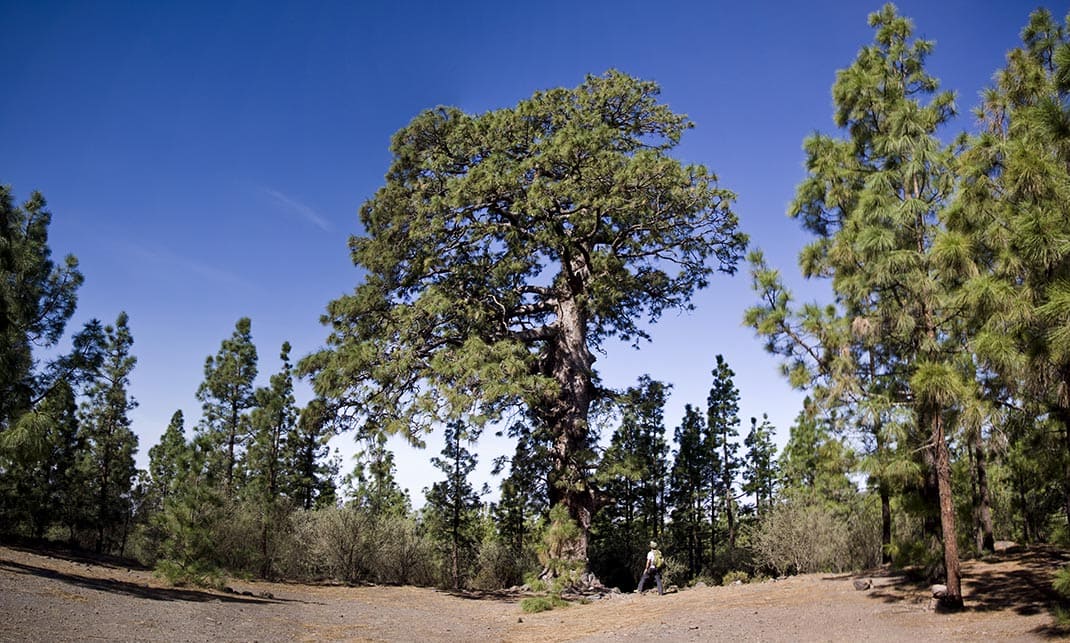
(862, 584)
(1004, 546)
(939, 591)
(700, 585)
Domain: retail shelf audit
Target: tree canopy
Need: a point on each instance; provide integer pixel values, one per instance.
(505, 248)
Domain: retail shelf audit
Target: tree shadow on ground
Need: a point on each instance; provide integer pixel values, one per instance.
(71, 554)
(1024, 588)
(498, 595)
(1017, 581)
(136, 590)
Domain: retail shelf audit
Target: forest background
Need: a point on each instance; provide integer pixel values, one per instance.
(121, 511)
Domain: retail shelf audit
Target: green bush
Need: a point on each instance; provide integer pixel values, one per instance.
(535, 604)
(196, 574)
(1061, 584)
(734, 576)
(535, 583)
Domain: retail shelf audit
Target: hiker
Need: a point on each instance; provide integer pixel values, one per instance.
(654, 562)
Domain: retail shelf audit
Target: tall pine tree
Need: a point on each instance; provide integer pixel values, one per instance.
(227, 397)
(760, 470)
(722, 445)
(108, 462)
(267, 475)
(453, 504)
(690, 494)
(877, 201)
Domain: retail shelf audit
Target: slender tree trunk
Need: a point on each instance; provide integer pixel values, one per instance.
(886, 521)
(1019, 486)
(728, 500)
(1064, 417)
(942, 456)
(885, 495)
(986, 540)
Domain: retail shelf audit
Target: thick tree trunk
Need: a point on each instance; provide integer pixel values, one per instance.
(942, 457)
(569, 362)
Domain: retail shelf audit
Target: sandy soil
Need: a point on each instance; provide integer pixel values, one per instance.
(55, 596)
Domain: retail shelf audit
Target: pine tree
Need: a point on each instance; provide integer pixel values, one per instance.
(721, 443)
(227, 397)
(815, 465)
(1012, 208)
(506, 248)
(453, 504)
(165, 459)
(878, 201)
(267, 475)
(634, 475)
(110, 443)
(37, 298)
(190, 517)
(690, 491)
(523, 500)
(312, 483)
(372, 483)
(760, 471)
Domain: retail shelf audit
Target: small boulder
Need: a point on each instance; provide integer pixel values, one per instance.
(862, 584)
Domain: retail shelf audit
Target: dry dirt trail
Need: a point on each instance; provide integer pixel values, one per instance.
(54, 596)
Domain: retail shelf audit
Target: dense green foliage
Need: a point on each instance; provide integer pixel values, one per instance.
(946, 269)
(504, 249)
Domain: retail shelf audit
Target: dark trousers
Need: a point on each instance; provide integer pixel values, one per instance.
(657, 578)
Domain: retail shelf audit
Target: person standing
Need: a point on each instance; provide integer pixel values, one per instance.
(654, 562)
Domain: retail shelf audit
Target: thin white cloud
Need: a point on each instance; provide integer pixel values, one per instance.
(168, 258)
(303, 210)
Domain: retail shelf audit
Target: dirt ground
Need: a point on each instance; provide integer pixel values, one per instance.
(56, 596)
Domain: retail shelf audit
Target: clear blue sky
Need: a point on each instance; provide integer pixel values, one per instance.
(205, 160)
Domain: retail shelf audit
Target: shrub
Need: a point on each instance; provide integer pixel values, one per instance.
(500, 566)
(732, 577)
(800, 537)
(536, 604)
(195, 573)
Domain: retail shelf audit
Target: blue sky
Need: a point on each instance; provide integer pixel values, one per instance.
(205, 161)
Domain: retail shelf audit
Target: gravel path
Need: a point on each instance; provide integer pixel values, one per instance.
(47, 597)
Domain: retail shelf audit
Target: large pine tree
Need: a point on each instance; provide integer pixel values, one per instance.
(877, 201)
(1013, 209)
(503, 252)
